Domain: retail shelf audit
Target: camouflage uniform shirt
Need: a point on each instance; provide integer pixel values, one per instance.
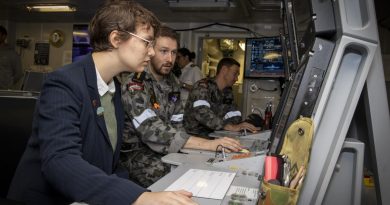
(153, 113)
(208, 109)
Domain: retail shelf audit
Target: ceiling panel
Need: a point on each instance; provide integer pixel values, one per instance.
(242, 11)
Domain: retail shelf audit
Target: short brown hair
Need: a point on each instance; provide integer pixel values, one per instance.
(229, 62)
(121, 15)
(166, 31)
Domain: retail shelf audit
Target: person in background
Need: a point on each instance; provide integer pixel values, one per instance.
(190, 73)
(176, 70)
(73, 152)
(210, 104)
(10, 66)
(154, 116)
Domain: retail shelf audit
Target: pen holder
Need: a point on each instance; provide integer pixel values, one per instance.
(296, 146)
(273, 194)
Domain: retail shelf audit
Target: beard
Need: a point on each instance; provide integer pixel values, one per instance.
(164, 69)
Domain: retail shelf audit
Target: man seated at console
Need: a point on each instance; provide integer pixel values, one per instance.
(154, 116)
(210, 104)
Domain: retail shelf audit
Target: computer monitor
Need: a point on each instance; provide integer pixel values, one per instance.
(314, 53)
(81, 41)
(264, 57)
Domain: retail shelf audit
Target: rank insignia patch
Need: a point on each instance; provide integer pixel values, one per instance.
(173, 96)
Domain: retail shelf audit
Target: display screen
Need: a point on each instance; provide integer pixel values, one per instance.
(264, 57)
(81, 41)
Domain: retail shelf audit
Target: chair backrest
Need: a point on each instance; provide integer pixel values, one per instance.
(17, 109)
(33, 81)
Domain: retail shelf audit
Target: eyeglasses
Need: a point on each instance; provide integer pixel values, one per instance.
(148, 43)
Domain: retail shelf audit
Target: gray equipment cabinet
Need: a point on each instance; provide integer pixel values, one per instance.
(355, 72)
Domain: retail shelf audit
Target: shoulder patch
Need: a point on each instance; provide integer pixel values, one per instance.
(173, 96)
(153, 99)
(139, 77)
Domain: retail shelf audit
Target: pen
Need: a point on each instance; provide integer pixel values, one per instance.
(286, 174)
(223, 152)
(298, 178)
(300, 182)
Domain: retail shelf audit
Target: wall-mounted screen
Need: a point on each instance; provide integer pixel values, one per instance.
(81, 41)
(264, 57)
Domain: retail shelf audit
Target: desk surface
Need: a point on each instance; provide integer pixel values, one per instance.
(248, 170)
(224, 133)
(246, 177)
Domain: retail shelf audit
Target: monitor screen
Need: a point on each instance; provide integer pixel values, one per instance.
(264, 57)
(81, 41)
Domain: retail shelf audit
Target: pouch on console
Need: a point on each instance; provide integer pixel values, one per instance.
(296, 146)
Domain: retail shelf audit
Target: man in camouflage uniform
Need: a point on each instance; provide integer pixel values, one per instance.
(154, 116)
(210, 104)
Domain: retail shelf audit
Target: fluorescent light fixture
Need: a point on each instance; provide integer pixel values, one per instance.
(199, 4)
(51, 8)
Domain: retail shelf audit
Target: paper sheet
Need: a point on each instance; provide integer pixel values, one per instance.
(250, 193)
(204, 183)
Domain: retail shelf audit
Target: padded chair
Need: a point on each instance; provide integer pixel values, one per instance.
(16, 108)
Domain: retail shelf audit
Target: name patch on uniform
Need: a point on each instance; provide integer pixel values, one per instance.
(133, 86)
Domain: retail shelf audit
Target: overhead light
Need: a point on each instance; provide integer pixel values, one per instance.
(201, 5)
(51, 8)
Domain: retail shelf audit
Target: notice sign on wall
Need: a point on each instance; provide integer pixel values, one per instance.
(41, 53)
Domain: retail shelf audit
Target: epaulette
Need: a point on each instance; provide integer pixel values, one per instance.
(139, 77)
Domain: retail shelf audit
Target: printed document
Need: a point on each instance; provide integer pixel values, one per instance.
(204, 183)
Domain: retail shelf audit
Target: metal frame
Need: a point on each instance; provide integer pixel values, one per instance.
(356, 62)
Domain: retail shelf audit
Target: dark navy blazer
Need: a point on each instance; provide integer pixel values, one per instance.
(69, 156)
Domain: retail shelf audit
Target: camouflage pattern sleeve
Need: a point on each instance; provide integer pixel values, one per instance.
(160, 136)
(199, 107)
(231, 113)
